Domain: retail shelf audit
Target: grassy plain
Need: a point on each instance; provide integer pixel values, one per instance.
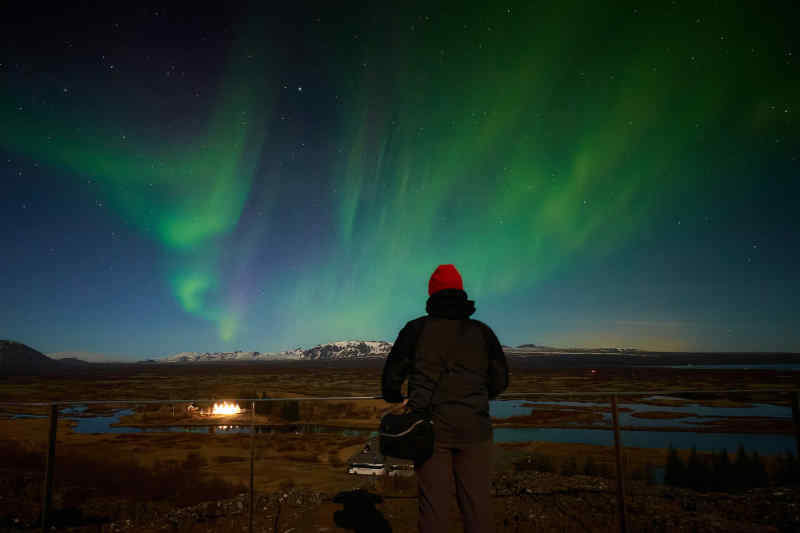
(218, 465)
(361, 378)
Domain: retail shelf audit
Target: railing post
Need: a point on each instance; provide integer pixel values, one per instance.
(623, 526)
(796, 418)
(47, 490)
(252, 461)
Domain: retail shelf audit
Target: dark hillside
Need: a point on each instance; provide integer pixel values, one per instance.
(19, 359)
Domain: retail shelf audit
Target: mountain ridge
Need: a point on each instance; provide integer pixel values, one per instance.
(351, 349)
(360, 349)
(17, 358)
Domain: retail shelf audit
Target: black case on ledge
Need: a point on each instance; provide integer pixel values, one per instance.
(406, 436)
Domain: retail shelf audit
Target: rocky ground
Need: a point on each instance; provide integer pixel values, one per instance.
(524, 501)
(536, 501)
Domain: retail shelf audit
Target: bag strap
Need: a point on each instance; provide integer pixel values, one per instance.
(446, 369)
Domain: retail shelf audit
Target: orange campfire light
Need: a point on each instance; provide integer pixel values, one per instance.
(225, 408)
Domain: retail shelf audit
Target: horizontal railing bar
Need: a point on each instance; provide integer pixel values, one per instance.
(132, 402)
(642, 393)
(330, 398)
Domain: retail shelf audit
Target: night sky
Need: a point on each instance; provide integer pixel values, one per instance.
(602, 175)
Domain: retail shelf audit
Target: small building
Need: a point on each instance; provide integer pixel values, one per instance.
(401, 470)
(370, 462)
(366, 469)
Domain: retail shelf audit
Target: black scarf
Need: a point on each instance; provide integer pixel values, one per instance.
(450, 303)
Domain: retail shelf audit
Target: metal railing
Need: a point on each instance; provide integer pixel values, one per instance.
(615, 427)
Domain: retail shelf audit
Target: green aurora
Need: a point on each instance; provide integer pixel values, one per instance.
(518, 143)
(186, 194)
(526, 142)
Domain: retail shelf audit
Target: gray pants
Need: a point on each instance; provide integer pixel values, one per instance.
(470, 468)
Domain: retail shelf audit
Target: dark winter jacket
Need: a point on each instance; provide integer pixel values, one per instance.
(454, 365)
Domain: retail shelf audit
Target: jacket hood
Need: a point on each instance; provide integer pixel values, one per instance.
(450, 303)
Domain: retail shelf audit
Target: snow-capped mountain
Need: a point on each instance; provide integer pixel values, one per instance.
(357, 349)
(201, 357)
(348, 350)
(333, 350)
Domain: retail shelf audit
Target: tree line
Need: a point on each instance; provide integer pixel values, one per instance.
(286, 410)
(718, 472)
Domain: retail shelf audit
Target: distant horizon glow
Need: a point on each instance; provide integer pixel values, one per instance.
(602, 176)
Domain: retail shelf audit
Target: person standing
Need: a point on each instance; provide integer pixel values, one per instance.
(454, 365)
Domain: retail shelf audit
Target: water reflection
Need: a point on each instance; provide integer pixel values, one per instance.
(694, 413)
(763, 443)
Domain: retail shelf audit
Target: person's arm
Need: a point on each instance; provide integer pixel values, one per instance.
(498, 367)
(398, 364)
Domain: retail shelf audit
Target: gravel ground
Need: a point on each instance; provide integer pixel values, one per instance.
(524, 501)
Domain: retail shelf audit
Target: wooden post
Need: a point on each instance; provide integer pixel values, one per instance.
(252, 461)
(623, 526)
(796, 418)
(47, 490)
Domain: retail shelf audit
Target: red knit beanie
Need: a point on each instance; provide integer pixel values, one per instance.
(445, 277)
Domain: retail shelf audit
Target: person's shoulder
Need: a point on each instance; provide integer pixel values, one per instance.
(410, 332)
(413, 325)
(481, 325)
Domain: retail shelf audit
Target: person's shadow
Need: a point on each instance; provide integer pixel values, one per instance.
(359, 513)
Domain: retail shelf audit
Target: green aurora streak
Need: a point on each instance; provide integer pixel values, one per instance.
(516, 144)
(187, 194)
